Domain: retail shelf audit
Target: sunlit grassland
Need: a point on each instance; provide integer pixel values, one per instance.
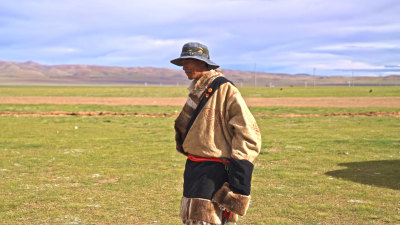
(88, 108)
(135, 91)
(123, 91)
(130, 109)
(87, 170)
(328, 171)
(124, 170)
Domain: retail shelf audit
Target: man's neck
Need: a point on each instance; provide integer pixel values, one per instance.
(203, 74)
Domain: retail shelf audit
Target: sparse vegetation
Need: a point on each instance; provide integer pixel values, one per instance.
(262, 92)
(124, 170)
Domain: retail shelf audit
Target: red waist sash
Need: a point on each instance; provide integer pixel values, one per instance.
(204, 159)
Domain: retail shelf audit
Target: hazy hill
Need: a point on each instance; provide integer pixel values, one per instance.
(34, 73)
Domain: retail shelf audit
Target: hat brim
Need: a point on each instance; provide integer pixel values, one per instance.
(178, 61)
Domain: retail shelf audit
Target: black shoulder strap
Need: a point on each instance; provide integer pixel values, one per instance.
(206, 95)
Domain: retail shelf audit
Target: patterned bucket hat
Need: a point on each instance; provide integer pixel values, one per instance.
(195, 50)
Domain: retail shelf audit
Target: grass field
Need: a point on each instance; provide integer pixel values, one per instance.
(124, 170)
(175, 109)
(182, 91)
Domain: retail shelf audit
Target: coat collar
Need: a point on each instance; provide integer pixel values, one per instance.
(199, 85)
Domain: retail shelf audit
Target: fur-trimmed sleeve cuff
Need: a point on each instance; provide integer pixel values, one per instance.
(233, 202)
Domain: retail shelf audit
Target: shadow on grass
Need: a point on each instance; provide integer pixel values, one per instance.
(385, 173)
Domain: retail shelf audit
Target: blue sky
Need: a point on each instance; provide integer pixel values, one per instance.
(285, 36)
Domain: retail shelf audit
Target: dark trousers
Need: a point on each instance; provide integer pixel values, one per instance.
(203, 179)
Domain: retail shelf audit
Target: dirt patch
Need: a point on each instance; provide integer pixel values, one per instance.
(117, 114)
(392, 102)
(365, 114)
(93, 101)
(112, 180)
(273, 149)
(63, 113)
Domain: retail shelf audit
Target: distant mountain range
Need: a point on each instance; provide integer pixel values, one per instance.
(16, 73)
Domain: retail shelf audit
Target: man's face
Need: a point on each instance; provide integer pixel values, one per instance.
(194, 68)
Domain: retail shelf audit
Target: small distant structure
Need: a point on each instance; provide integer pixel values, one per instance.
(271, 85)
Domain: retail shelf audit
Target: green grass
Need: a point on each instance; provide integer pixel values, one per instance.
(173, 109)
(126, 91)
(317, 110)
(320, 92)
(88, 108)
(124, 170)
(93, 91)
(305, 171)
(50, 170)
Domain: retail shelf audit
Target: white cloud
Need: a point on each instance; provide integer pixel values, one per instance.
(347, 65)
(358, 46)
(279, 35)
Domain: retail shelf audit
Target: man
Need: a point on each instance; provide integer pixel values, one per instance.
(221, 139)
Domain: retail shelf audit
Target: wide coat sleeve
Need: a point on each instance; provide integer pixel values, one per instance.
(246, 144)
